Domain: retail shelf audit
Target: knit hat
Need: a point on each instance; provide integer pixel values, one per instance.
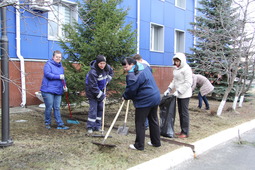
(100, 58)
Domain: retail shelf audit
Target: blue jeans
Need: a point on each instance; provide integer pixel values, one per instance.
(200, 101)
(52, 101)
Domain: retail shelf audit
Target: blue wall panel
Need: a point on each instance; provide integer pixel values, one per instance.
(157, 12)
(35, 45)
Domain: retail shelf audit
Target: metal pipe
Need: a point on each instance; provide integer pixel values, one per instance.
(21, 58)
(5, 140)
(138, 26)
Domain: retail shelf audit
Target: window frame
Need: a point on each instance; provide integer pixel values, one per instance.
(59, 18)
(152, 38)
(178, 43)
(182, 7)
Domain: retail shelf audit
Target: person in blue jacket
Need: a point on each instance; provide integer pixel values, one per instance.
(97, 78)
(52, 89)
(141, 88)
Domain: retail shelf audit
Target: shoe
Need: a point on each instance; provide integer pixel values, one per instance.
(90, 130)
(47, 127)
(179, 133)
(97, 129)
(132, 147)
(183, 136)
(149, 143)
(63, 127)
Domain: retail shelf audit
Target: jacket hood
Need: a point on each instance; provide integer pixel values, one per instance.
(55, 63)
(93, 65)
(181, 57)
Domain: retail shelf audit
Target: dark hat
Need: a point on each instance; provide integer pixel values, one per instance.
(100, 58)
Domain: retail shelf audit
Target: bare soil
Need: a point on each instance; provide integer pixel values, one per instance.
(36, 147)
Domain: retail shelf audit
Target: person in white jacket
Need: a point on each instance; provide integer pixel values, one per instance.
(182, 82)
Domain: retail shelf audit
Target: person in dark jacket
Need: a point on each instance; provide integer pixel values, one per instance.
(52, 88)
(97, 78)
(141, 88)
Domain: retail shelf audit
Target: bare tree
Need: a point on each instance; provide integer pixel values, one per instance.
(246, 50)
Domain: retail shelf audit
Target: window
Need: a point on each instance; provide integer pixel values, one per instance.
(180, 3)
(157, 38)
(61, 13)
(179, 41)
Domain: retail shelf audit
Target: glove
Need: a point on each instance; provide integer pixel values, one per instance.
(62, 76)
(176, 93)
(101, 98)
(166, 93)
(65, 89)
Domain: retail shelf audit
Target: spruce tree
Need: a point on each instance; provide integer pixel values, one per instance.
(101, 30)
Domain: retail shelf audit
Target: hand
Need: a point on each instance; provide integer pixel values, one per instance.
(176, 93)
(62, 76)
(166, 93)
(65, 89)
(101, 98)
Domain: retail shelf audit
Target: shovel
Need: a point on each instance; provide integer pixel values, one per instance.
(123, 130)
(109, 130)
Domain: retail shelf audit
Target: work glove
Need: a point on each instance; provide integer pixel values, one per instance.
(65, 89)
(176, 93)
(101, 98)
(62, 76)
(166, 93)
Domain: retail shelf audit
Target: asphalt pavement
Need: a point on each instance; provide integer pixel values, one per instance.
(235, 154)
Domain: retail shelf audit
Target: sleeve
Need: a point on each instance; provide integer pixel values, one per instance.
(92, 84)
(131, 87)
(187, 81)
(110, 74)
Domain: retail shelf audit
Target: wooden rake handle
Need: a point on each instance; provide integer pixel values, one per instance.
(113, 122)
(103, 114)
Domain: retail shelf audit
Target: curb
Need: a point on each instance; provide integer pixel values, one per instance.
(178, 156)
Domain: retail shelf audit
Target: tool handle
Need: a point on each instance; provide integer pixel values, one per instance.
(127, 109)
(67, 100)
(103, 110)
(114, 120)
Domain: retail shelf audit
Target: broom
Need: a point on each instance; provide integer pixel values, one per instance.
(71, 120)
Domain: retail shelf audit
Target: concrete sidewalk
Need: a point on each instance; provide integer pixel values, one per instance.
(170, 160)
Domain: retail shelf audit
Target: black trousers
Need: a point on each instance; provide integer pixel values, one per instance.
(140, 116)
(183, 109)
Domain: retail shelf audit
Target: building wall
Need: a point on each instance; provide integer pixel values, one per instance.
(36, 48)
(34, 74)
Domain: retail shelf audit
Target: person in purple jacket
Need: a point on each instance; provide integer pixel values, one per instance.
(142, 89)
(52, 89)
(97, 78)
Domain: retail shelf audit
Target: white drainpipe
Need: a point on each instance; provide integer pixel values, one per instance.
(22, 63)
(138, 26)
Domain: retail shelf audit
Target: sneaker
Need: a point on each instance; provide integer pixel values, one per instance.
(63, 127)
(132, 147)
(90, 130)
(149, 143)
(47, 127)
